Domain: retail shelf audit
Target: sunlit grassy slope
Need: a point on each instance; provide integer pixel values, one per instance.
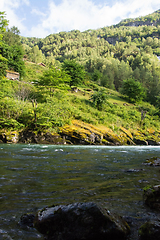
(61, 107)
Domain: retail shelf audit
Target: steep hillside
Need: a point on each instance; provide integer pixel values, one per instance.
(110, 55)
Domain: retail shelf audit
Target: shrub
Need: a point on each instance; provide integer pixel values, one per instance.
(133, 90)
(99, 99)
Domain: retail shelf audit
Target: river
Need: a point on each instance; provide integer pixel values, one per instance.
(35, 176)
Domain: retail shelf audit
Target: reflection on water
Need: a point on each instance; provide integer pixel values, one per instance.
(34, 176)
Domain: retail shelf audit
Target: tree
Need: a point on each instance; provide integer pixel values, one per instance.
(99, 99)
(3, 22)
(11, 36)
(35, 55)
(14, 56)
(53, 77)
(3, 65)
(75, 70)
(96, 76)
(11, 51)
(133, 90)
(3, 60)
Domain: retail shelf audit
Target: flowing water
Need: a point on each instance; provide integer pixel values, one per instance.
(35, 176)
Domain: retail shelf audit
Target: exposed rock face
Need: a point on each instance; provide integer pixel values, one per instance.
(140, 142)
(9, 137)
(84, 134)
(151, 197)
(40, 137)
(79, 221)
(150, 231)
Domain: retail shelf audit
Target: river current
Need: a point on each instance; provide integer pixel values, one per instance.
(36, 176)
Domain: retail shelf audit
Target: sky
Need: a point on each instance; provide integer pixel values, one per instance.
(38, 18)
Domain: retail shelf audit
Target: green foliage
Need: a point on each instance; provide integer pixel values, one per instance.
(133, 90)
(148, 187)
(11, 51)
(11, 36)
(99, 99)
(116, 57)
(7, 88)
(3, 65)
(75, 71)
(14, 56)
(33, 72)
(15, 60)
(3, 60)
(110, 54)
(10, 124)
(53, 77)
(96, 76)
(3, 22)
(35, 55)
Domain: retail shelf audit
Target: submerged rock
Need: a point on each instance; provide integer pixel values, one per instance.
(86, 221)
(27, 220)
(154, 161)
(151, 197)
(150, 231)
(132, 170)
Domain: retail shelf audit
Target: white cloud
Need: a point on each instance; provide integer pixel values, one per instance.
(12, 3)
(84, 14)
(38, 12)
(10, 6)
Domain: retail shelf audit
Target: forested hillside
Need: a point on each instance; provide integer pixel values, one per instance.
(110, 54)
(111, 68)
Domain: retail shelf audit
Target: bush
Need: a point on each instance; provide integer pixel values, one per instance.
(99, 99)
(133, 90)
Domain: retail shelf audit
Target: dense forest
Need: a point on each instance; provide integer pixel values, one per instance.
(120, 62)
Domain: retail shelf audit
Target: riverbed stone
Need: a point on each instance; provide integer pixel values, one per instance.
(87, 221)
(150, 231)
(151, 197)
(153, 161)
(27, 220)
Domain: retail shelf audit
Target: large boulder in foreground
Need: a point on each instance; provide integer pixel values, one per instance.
(150, 231)
(151, 197)
(78, 221)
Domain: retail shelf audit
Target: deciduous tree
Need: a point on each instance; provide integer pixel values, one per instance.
(75, 70)
(53, 77)
(133, 90)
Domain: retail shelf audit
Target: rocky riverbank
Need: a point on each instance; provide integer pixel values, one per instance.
(85, 134)
(91, 221)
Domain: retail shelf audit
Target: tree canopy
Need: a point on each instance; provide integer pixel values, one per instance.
(133, 90)
(11, 50)
(53, 77)
(75, 70)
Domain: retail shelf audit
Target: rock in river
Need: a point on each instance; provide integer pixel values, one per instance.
(151, 197)
(150, 231)
(87, 221)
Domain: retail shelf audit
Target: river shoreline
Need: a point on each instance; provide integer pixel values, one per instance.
(72, 136)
